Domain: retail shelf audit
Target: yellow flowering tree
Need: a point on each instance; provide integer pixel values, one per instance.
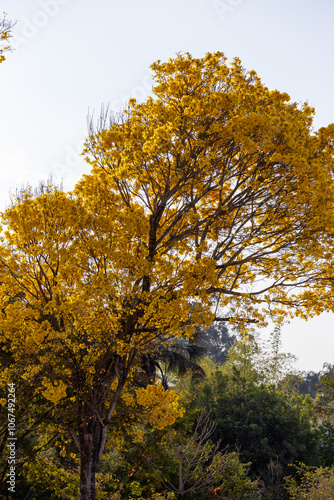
(215, 186)
(234, 186)
(65, 302)
(5, 34)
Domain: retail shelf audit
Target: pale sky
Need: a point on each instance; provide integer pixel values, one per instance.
(73, 55)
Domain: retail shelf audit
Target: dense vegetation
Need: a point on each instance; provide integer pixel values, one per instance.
(248, 431)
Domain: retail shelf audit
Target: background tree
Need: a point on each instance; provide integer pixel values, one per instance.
(262, 361)
(325, 399)
(180, 357)
(217, 340)
(309, 383)
(201, 466)
(200, 159)
(182, 460)
(311, 483)
(215, 185)
(264, 426)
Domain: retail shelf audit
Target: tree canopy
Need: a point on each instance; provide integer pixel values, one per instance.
(234, 185)
(215, 185)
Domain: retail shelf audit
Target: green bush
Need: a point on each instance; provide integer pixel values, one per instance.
(310, 483)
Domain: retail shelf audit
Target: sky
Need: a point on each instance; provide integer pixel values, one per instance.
(72, 56)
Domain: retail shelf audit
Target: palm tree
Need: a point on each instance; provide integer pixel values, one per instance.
(309, 384)
(180, 357)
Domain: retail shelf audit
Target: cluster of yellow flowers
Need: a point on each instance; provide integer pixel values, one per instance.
(163, 405)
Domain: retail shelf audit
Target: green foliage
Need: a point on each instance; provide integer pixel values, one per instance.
(326, 447)
(31, 435)
(51, 475)
(262, 361)
(125, 466)
(202, 466)
(261, 423)
(310, 483)
(150, 468)
(325, 399)
(235, 483)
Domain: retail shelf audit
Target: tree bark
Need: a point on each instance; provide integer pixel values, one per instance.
(92, 424)
(91, 441)
(180, 492)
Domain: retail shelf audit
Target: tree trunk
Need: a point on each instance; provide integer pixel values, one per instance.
(91, 434)
(91, 438)
(180, 457)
